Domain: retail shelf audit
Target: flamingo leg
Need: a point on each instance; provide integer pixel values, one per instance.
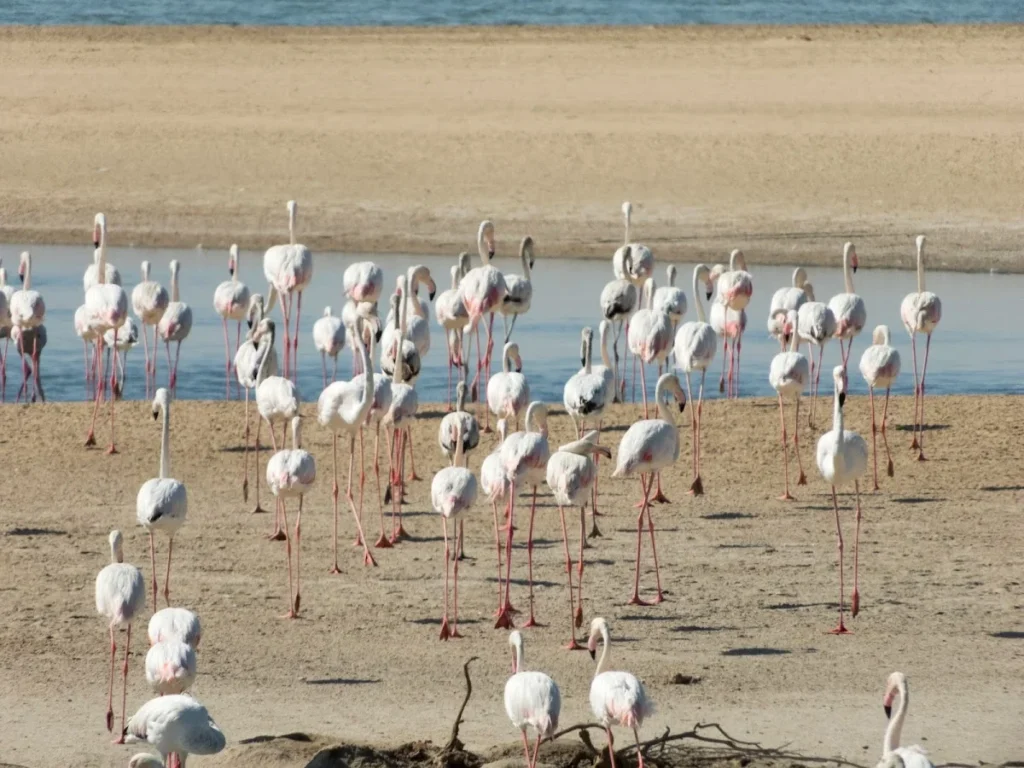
(635, 600)
(594, 514)
(152, 564)
(295, 341)
(323, 366)
(124, 684)
(256, 465)
(152, 373)
(399, 532)
(526, 748)
(412, 456)
(885, 439)
(445, 631)
(573, 645)
(288, 555)
(639, 751)
(110, 687)
(487, 381)
(654, 550)
(85, 358)
(874, 438)
(383, 541)
(786, 496)
(611, 745)
(455, 600)
(227, 360)
(167, 576)
(334, 373)
(367, 557)
(536, 747)
(802, 480)
(693, 427)
(298, 557)
(924, 373)
(90, 439)
(814, 394)
(841, 628)
(643, 385)
(497, 545)
(855, 597)
(113, 378)
(917, 387)
(505, 613)
(334, 501)
(531, 622)
(245, 453)
(578, 618)
(3, 372)
(174, 376)
(448, 346)
(736, 379)
(697, 487)
(24, 362)
(238, 344)
(725, 357)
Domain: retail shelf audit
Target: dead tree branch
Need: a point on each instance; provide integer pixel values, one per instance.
(453, 741)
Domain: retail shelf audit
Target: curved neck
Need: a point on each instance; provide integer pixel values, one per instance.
(837, 415)
(587, 367)
(296, 434)
(174, 285)
(481, 247)
(459, 455)
(628, 217)
(268, 345)
(506, 360)
(28, 273)
(520, 656)
(524, 257)
(234, 273)
(606, 642)
(604, 347)
(165, 443)
(848, 273)
(460, 400)
(291, 224)
(696, 299)
(895, 727)
(403, 308)
(920, 268)
(660, 396)
(101, 264)
(531, 421)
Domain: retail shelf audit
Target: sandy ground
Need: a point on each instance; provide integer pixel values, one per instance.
(751, 585)
(783, 141)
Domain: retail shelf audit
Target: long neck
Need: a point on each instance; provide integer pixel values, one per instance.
(174, 285)
(837, 416)
(895, 727)
(291, 225)
(920, 269)
(481, 248)
(506, 360)
(696, 299)
(145, 271)
(660, 397)
(628, 222)
(587, 367)
(234, 275)
(28, 273)
(847, 273)
(165, 443)
(604, 348)
(296, 434)
(101, 265)
(268, 346)
(524, 257)
(794, 341)
(520, 656)
(403, 308)
(457, 460)
(605, 645)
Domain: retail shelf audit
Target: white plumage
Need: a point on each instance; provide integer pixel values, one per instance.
(848, 308)
(816, 325)
(508, 391)
(736, 286)
(468, 427)
(618, 303)
(893, 755)
(452, 315)
(520, 288)
(632, 261)
(149, 302)
(27, 307)
(669, 299)
(289, 269)
(785, 299)
(231, 302)
(247, 368)
(789, 374)
(395, 346)
(170, 667)
(329, 340)
(363, 281)
(175, 624)
(175, 325)
(178, 725)
(162, 502)
(111, 275)
(921, 312)
(532, 700)
(880, 366)
(495, 486)
(587, 391)
(418, 324)
(123, 340)
(649, 335)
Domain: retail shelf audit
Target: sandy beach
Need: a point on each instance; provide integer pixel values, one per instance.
(751, 589)
(783, 141)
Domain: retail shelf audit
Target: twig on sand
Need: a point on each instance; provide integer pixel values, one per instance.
(453, 742)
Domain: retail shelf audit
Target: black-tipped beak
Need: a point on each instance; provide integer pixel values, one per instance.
(855, 269)
(708, 294)
(377, 336)
(95, 243)
(432, 294)
(593, 653)
(888, 711)
(682, 406)
(519, 367)
(583, 360)
(231, 271)
(155, 414)
(21, 277)
(842, 399)
(490, 252)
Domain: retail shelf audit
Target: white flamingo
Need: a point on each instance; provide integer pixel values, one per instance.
(162, 502)
(483, 290)
(524, 458)
(343, 407)
(111, 274)
(920, 312)
(649, 335)
(231, 302)
(84, 331)
(848, 307)
(618, 303)
(469, 429)
(842, 459)
(816, 325)
(694, 349)
(120, 597)
(170, 667)
(571, 475)
(395, 345)
(108, 310)
(893, 755)
(289, 270)
(149, 302)
(277, 400)
(363, 281)
(291, 473)
(640, 264)
(735, 287)
(329, 340)
(398, 420)
(520, 289)
(28, 310)
(788, 374)
(175, 325)
(6, 292)
(648, 447)
(880, 366)
(177, 725)
(508, 391)
(247, 365)
(452, 315)
(532, 700)
(616, 698)
(670, 299)
(453, 492)
(784, 299)
(496, 486)
(34, 339)
(352, 314)
(418, 323)
(175, 624)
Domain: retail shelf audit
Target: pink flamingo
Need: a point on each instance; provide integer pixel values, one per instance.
(921, 312)
(880, 365)
(289, 270)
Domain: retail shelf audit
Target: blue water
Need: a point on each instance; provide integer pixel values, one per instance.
(548, 12)
(974, 350)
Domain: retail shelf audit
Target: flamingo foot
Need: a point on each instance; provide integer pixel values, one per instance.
(914, 443)
(258, 510)
(802, 480)
(400, 535)
(335, 569)
(118, 740)
(455, 634)
(532, 622)
(277, 536)
(787, 496)
(111, 450)
(855, 603)
(697, 487)
(721, 386)
(473, 392)
(890, 470)
(920, 456)
(876, 488)
(90, 440)
(635, 600)
(383, 543)
(659, 599)
(412, 477)
(639, 504)
(445, 632)
(488, 429)
(290, 615)
(660, 498)
(840, 630)
(504, 618)
(368, 558)
(573, 646)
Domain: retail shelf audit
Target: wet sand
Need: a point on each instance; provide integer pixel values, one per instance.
(784, 141)
(751, 588)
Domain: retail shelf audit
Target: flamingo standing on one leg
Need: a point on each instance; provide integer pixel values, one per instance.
(329, 340)
(123, 341)
(175, 325)
(289, 269)
(231, 302)
(921, 312)
(120, 597)
(789, 373)
(532, 700)
(842, 459)
(571, 473)
(648, 447)
(848, 308)
(791, 297)
(880, 366)
(483, 290)
(149, 302)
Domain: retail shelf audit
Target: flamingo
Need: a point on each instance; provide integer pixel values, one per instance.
(848, 308)
(34, 338)
(453, 492)
(483, 290)
(170, 667)
(508, 391)
(618, 302)
(28, 310)
(343, 408)
(789, 373)
(247, 363)
(649, 335)
(174, 325)
(149, 302)
(532, 700)
(107, 306)
(111, 275)
(640, 265)
(231, 302)
(145, 760)
(893, 755)
(671, 300)
(177, 725)
(122, 341)
(418, 324)
(6, 292)
(175, 624)
(277, 399)
(880, 366)
(469, 429)
(292, 473)
(289, 270)
(842, 459)
(735, 287)
(920, 312)
(524, 458)
(616, 697)
(785, 299)
(363, 281)
(571, 474)
(329, 340)
(120, 596)
(648, 447)
(815, 324)
(495, 484)
(520, 289)
(694, 349)
(452, 315)
(395, 346)
(351, 315)
(162, 502)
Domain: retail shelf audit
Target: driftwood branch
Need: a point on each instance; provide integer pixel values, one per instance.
(453, 741)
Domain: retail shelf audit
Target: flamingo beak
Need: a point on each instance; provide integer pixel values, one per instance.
(96, 236)
(854, 262)
(592, 652)
(709, 293)
(887, 708)
(433, 289)
(842, 399)
(379, 333)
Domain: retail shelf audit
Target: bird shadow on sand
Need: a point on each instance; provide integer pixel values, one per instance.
(756, 652)
(343, 681)
(924, 427)
(797, 606)
(525, 583)
(997, 488)
(697, 628)
(432, 621)
(35, 532)
(1007, 635)
(647, 617)
(728, 516)
(916, 500)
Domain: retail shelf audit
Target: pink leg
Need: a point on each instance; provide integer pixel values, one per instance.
(167, 576)
(874, 437)
(736, 378)
(455, 602)
(817, 378)
(285, 308)
(245, 454)
(924, 373)
(505, 614)
(526, 747)
(885, 439)
(802, 480)
(855, 597)
(643, 384)
(113, 377)
(497, 545)
(573, 645)
(295, 341)
(110, 688)
(383, 541)
(594, 514)
(445, 631)
(288, 555)
(531, 622)
(579, 569)
(725, 357)
(611, 745)
(152, 563)
(654, 552)
(841, 628)
(177, 355)
(635, 600)
(917, 387)
(298, 559)
(367, 557)
(697, 487)
(90, 439)
(227, 361)
(256, 471)
(786, 496)
(323, 365)
(124, 684)
(334, 499)
(448, 346)
(412, 456)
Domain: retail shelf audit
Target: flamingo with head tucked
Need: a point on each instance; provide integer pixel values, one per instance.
(329, 340)
(175, 325)
(149, 302)
(532, 700)
(848, 307)
(231, 302)
(920, 312)
(483, 290)
(508, 391)
(618, 303)
(789, 373)
(735, 287)
(289, 270)
(111, 274)
(879, 365)
(785, 299)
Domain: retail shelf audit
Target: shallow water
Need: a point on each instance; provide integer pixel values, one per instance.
(412, 12)
(974, 349)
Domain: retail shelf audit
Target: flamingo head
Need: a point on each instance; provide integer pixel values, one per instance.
(233, 260)
(808, 290)
(515, 641)
(99, 226)
(880, 336)
(627, 210)
(849, 252)
(160, 400)
(115, 539)
(485, 239)
(526, 249)
(588, 339)
(896, 684)
(23, 265)
(598, 629)
(839, 376)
